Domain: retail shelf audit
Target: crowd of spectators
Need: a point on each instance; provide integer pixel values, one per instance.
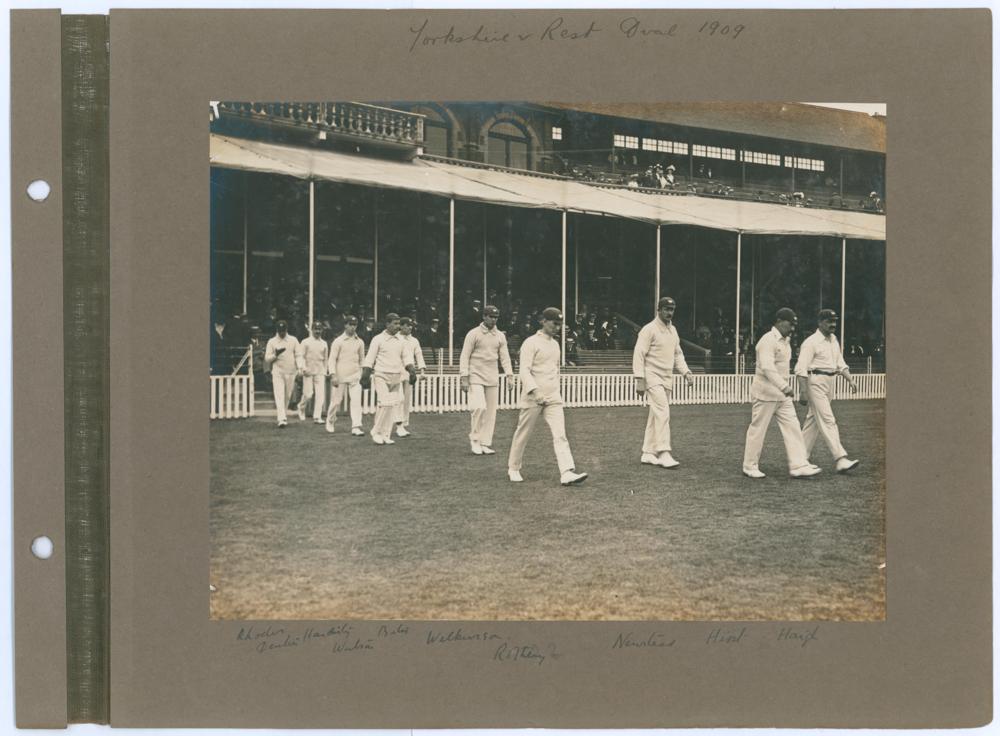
(598, 328)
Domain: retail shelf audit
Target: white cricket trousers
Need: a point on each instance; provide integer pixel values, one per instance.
(389, 395)
(283, 383)
(553, 414)
(657, 437)
(819, 419)
(353, 392)
(483, 401)
(314, 385)
(403, 407)
(788, 422)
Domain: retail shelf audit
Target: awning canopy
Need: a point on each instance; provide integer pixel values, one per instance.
(517, 190)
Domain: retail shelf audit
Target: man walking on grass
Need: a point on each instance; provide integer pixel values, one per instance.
(408, 380)
(279, 358)
(388, 357)
(772, 397)
(484, 348)
(540, 396)
(310, 358)
(656, 358)
(347, 353)
(820, 362)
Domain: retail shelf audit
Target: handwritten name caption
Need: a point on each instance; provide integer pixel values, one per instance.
(559, 29)
(338, 637)
(655, 640)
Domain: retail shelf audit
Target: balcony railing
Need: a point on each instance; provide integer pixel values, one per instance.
(354, 119)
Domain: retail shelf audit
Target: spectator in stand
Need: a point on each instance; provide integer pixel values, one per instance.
(703, 336)
(872, 202)
(572, 355)
(267, 326)
(591, 333)
(219, 356)
(367, 331)
(436, 337)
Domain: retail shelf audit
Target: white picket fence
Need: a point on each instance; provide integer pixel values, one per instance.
(232, 396)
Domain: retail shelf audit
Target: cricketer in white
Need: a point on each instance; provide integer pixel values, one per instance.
(279, 358)
(388, 356)
(772, 397)
(485, 346)
(820, 362)
(347, 353)
(310, 357)
(656, 357)
(408, 380)
(540, 395)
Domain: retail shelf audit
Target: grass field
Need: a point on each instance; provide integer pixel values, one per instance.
(310, 525)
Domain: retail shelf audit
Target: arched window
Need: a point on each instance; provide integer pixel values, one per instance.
(508, 145)
(437, 132)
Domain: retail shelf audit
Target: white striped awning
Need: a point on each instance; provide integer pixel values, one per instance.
(520, 190)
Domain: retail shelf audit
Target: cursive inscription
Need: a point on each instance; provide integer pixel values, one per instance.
(803, 636)
(455, 635)
(633, 27)
(356, 646)
(561, 29)
(384, 632)
(340, 637)
(525, 653)
(629, 641)
(723, 636)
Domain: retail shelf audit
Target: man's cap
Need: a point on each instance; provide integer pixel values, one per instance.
(317, 325)
(391, 316)
(825, 314)
(405, 322)
(551, 313)
(785, 314)
(490, 311)
(666, 302)
(350, 320)
(281, 323)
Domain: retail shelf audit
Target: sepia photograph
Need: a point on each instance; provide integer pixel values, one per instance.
(506, 360)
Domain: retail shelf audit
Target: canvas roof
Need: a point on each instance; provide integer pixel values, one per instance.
(518, 190)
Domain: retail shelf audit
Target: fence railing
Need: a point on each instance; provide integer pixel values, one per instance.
(232, 396)
(350, 118)
(441, 393)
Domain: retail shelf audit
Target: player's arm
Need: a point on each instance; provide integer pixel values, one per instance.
(680, 363)
(802, 370)
(508, 369)
(269, 355)
(845, 371)
(300, 358)
(331, 361)
(642, 345)
(765, 361)
(369, 361)
(524, 372)
(465, 359)
(418, 353)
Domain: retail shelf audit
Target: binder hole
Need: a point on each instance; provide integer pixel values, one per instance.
(41, 547)
(39, 190)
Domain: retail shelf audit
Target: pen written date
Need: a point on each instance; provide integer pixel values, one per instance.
(425, 35)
